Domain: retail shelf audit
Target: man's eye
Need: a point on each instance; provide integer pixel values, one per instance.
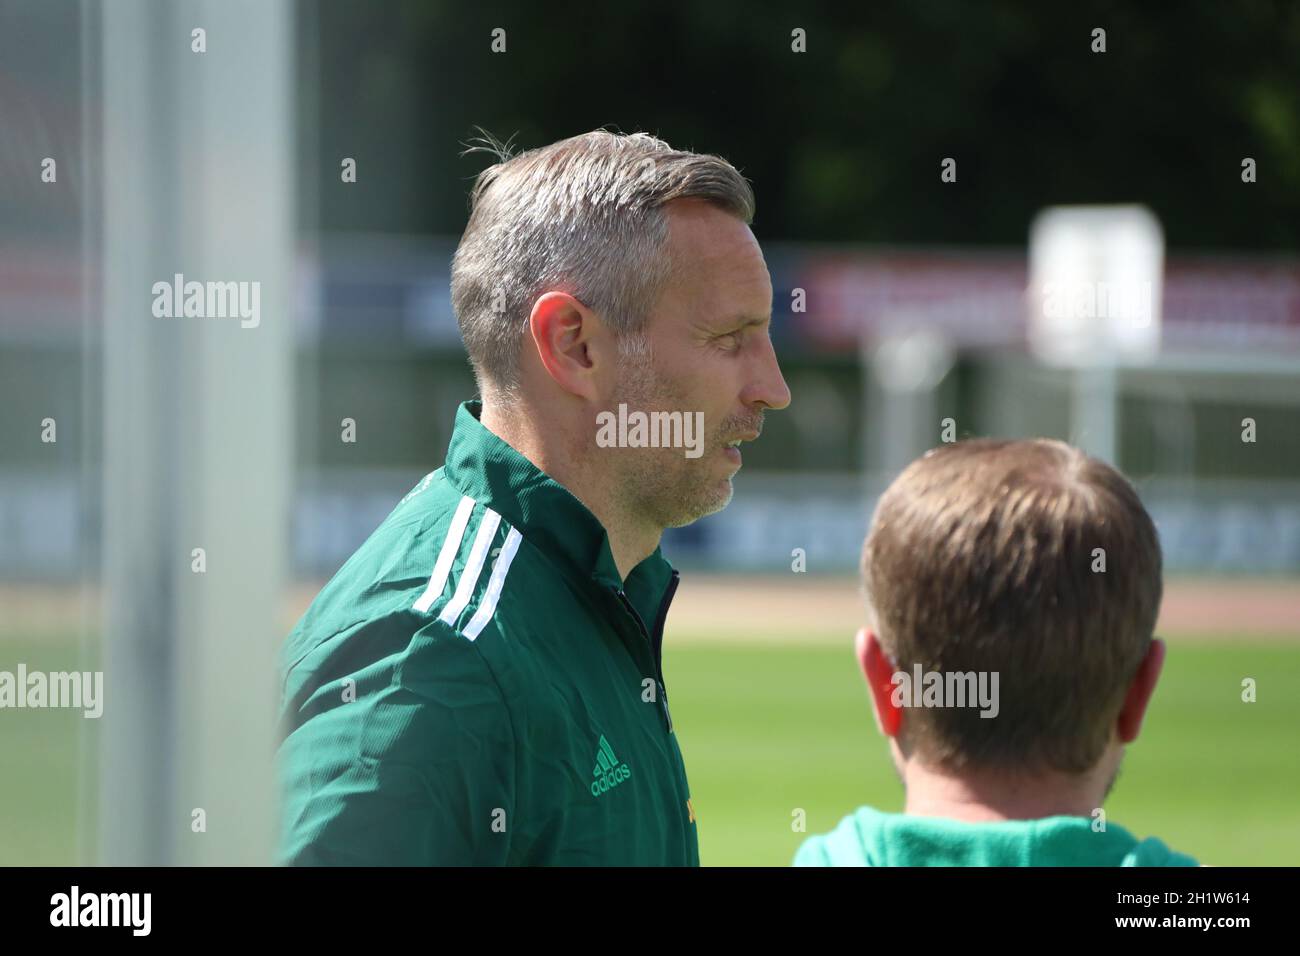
(730, 341)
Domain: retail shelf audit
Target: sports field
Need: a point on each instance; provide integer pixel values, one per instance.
(772, 718)
(769, 728)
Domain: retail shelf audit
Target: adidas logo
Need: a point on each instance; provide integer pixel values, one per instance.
(609, 773)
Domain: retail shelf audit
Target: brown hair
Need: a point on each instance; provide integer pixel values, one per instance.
(981, 558)
(584, 215)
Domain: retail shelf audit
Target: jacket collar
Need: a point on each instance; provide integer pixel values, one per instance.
(490, 471)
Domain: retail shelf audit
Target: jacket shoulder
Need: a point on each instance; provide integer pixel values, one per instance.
(403, 760)
(379, 574)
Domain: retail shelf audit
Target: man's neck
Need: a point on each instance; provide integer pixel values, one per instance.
(629, 548)
(980, 799)
(560, 455)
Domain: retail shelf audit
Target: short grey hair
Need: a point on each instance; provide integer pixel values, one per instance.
(583, 215)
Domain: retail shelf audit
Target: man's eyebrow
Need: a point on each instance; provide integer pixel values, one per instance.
(745, 321)
(734, 323)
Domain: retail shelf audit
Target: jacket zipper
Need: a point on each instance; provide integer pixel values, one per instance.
(655, 639)
(657, 643)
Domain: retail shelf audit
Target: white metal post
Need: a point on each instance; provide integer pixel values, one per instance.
(197, 438)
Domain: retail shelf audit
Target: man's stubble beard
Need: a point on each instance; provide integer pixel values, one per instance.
(661, 487)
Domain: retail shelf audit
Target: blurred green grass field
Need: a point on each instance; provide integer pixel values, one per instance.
(770, 728)
(766, 729)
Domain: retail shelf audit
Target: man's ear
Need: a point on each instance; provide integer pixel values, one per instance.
(1139, 692)
(879, 671)
(563, 331)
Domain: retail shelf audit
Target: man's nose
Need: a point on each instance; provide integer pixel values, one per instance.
(768, 385)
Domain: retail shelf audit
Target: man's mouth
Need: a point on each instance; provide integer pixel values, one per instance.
(731, 449)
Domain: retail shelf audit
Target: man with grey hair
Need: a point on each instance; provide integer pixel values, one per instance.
(482, 683)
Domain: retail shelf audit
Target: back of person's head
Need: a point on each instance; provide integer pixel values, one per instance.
(1028, 559)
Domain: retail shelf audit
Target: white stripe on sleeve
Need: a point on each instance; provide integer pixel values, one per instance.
(473, 567)
(450, 548)
(499, 572)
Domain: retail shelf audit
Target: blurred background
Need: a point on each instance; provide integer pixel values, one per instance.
(174, 491)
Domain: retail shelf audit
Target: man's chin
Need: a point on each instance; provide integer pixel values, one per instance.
(705, 505)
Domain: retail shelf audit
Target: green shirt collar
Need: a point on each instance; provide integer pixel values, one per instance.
(869, 837)
(493, 473)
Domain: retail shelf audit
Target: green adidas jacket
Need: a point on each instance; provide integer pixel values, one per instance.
(476, 685)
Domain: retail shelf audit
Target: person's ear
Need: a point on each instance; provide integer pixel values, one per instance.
(563, 331)
(1139, 692)
(879, 671)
